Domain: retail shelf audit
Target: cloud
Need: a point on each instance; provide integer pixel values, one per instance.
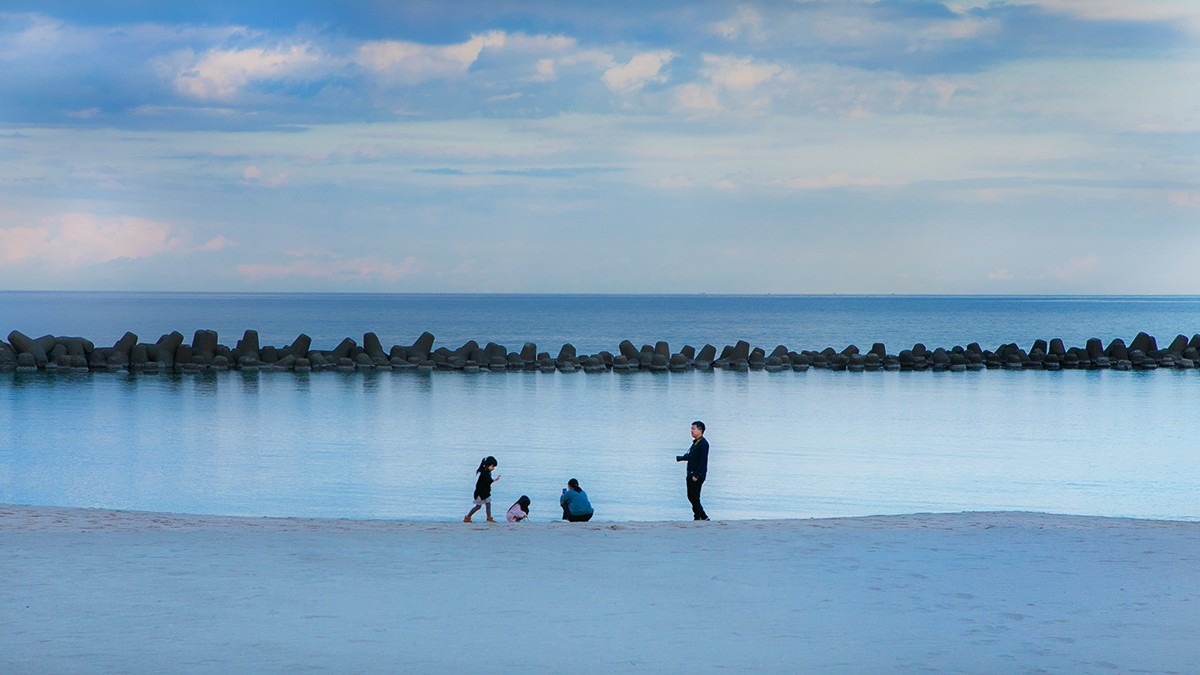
(739, 74)
(1076, 268)
(640, 71)
(729, 83)
(676, 182)
(499, 98)
(223, 73)
(549, 69)
(217, 243)
(557, 172)
(82, 239)
(697, 98)
(839, 179)
(328, 266)
(955, 30)
(252, 175)
(1188, 200)
(1184, 13)
(412, 62)
(545, 71)
(1001, 274)
(39, 35)
(746, 23)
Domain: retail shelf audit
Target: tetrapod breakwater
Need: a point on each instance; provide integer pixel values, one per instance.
(172, 353)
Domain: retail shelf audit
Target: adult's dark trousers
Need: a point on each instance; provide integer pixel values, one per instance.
(693, 492)
(568, 516)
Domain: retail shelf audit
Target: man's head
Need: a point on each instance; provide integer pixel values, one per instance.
(697, 429)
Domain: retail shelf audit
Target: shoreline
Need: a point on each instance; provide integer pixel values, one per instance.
(100, 591)
(34, 517)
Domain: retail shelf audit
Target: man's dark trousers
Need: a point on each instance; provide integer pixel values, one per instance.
(693, 493)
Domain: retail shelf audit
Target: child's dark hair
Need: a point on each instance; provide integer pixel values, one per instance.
(524, 502)
(486, 462)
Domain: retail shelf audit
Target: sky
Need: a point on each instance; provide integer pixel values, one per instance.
(803, 147)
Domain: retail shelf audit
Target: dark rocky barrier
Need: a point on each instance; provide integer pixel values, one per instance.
(171, 353)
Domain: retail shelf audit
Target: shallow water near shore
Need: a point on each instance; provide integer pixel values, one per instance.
(785, 445)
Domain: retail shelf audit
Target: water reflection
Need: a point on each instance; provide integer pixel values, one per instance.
(248, 379)
(405, 444)
(206, 383)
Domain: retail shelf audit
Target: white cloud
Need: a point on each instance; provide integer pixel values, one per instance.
(81, 239)
(545, 71)
(522, 43)
(640, 71)
(548, 69)
(332, 267)
(1001, 274)
(1188, 200)
(839, 179)
(411, 62)
(222, 73)
(1181, 12)
(746, 23)
(1076, 268)
(42, 35)
(252, 175)
(675, 182)
(731, 83)
(217, 243)
(739, 74)
(406, 63)
(954, 30)
(500, 98)
(697, 98)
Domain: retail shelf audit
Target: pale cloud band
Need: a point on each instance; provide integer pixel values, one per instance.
(939, 146)
(83, 239)
(330, 266)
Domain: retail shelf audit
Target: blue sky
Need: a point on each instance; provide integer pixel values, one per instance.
(1033, 146)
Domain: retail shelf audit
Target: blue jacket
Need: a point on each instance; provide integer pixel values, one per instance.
(576, 503)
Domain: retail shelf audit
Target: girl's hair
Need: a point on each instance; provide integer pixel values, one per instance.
(486, 462)
(574, 485)
(524, 502)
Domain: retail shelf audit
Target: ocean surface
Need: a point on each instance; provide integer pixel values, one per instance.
(784, 445)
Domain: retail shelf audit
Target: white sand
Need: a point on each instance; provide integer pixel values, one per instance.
(86, 591)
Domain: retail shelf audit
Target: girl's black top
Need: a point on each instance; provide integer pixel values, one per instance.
(483, 486)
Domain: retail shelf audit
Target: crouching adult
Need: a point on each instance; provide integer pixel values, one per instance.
(575, 505)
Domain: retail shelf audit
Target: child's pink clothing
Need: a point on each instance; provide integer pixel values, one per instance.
(516, 514)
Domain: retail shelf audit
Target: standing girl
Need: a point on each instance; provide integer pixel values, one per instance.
(483, 488)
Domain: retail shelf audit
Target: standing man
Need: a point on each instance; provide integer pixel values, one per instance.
(697, 468)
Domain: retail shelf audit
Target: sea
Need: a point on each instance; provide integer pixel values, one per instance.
(405, 445)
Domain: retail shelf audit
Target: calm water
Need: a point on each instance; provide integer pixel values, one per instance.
(405, 445)
(593, 323)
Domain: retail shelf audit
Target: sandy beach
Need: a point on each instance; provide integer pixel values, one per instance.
(97, 591)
